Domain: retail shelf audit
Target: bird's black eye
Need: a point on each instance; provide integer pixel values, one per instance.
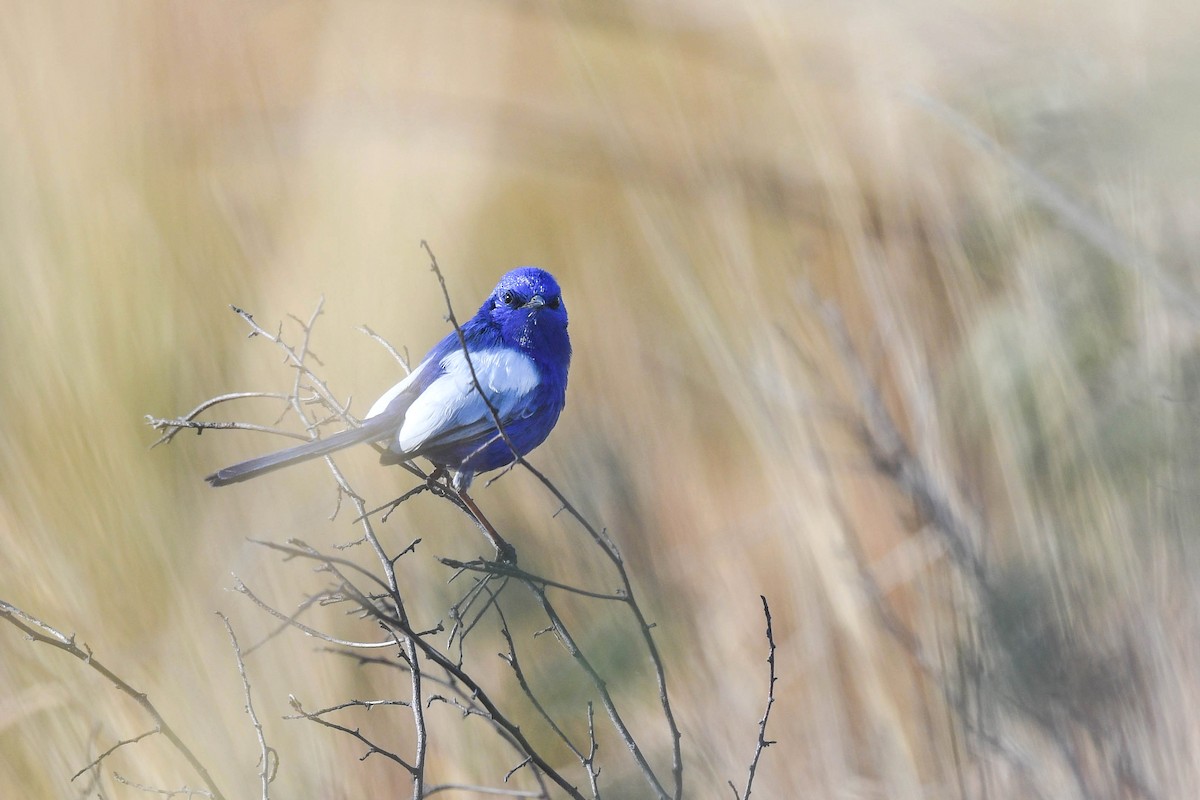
(509, 299)
(554, 302)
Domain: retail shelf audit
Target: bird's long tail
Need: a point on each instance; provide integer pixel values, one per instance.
(374, 429)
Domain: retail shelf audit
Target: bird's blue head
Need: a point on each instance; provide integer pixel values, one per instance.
(528, 308)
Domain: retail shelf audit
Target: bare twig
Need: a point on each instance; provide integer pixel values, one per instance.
(483, 789)
(593, 748)
(401, 359)
(515, 664)
(399, 628)
(462, 627)
(297, 360)
(464, 699)
(606, 699)
(462, 343)
(513, 571)
(100, 758)
(609, 547)
(401, 632)
(355, 733)
(268, 757)
(173, 426)
(463, 787)
(240, 587)
(305, 604)
(93, 786)
(183, 791)
(299, 549)
(408, 644)
(763, 742)
(367, 704)
(41, 632)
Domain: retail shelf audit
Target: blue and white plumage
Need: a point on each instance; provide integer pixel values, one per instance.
(520, 351)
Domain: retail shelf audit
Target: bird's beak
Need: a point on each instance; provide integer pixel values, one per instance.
(535, 302)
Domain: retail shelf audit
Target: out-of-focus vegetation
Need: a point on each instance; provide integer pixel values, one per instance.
(687, 170)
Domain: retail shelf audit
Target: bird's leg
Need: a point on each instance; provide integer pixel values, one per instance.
(432, 479)
(505, 552)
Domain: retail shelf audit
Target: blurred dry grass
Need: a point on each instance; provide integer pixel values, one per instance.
(681, 167)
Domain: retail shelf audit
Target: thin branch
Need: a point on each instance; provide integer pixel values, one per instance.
(93, 786)
(515, 664)
(367, 704)
(41, 632)
(461, 628)
(610, 548)
(467, 700)
(372, 748)
(478, 693)
(241, 587)
(464, 787)
(100, 758)
(763, 742)
(392, 505)
(175, 425)
(418, 711)
(593, 770)
(268, 757)
(401, 359)
(302, 357)
(462, 343)
(513, 571)
(183, 791)
(601, 686)
(297, 361)
(403, 633)
(305, 604)
(298, 549)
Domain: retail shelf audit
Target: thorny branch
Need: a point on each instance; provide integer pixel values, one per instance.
(763, 742)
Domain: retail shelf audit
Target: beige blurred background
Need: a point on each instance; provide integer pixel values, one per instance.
(687, 170)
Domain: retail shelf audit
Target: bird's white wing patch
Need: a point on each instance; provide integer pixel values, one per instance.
(391, 394)
(451, 401)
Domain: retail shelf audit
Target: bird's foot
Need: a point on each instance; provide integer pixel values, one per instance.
(505, 552)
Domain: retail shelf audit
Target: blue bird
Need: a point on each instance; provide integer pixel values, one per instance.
(520, 352)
